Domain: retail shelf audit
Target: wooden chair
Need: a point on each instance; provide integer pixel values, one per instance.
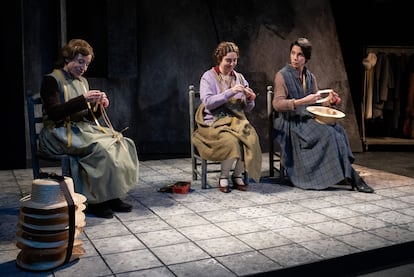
(35, 117)
(200, 166)
(275, 154)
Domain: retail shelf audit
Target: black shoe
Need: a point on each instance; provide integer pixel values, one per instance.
(100, 210)
(117, 205)
(361, 186)
(358, 183)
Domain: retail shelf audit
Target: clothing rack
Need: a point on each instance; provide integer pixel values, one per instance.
(382, 140)
(393, 49)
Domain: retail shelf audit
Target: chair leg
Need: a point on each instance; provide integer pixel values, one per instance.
(65, 166)
(246, 178)
(271, 163)
(194, 168)
(36, 167)
(204, 174)
(281, 174)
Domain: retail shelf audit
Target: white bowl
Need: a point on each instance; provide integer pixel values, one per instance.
(325, 115)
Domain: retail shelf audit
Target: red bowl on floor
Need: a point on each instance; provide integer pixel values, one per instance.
(181, 187)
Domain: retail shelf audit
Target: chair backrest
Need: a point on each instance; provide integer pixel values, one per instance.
(200, 167)
(193, 103)
(270, 111)
(275, 155)
(34, 104)
(35, 118)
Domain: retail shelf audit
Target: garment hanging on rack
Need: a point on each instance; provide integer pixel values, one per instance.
(369, 63)
(385, 88)
(408, 127)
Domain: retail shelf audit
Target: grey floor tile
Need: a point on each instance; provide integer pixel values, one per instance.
(263, 239)
(152, 272)
(189, 197)
(260, 198)
(201, 268)
(205, 206)
(132, 260)
(96, 221)
(392, 204)
(307, 217)
(329, 248)
(409, 189)
(147, 225)
(209, 233)
(361, 197)
(221, 215)
(338, 212)
(394, 233)
(394, 217)
(406, 198)
(300, 234)
(247, 263)
(347, 198)
(168, 211)
(185, 220)
(364, 240)
(365, 208)
(407, 211)
(180, 253)
(139, 212)
(241, 226)
(161, 238)
(287, 207)
(123, 243)
(85, 266)
(291, 255)
(365, 222)
(292, 194)
(8, 226)
(223, 246)
(236, 203)
(202, 232)
(334, 228)
(106, 230)
(89, 248)
(390, 192)
(254, 211)
(316, 203)
(276, 222)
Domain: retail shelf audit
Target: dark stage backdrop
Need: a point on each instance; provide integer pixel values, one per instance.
(149, 52)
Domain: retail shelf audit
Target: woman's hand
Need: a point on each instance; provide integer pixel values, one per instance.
(105, 101)
(248, 92)
(331, 99)
(250, 95)
(97, 97)
(237, 88)
(335, 99)
(311, 99)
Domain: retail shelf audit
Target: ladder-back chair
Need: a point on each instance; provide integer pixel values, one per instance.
(275, 154)
(200, 166)
(35, 117)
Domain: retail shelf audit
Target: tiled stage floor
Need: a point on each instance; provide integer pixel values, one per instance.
(270, 228)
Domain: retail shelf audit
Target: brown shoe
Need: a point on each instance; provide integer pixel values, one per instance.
(225, 189)
(238, 183)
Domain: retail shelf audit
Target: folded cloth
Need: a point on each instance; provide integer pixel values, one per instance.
(229, 137)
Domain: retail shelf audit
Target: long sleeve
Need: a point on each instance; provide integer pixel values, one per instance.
(56, 110)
